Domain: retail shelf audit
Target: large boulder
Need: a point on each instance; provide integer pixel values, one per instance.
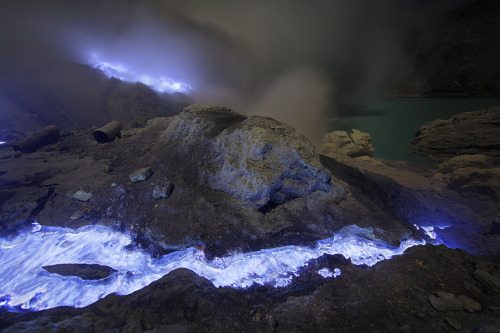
(475, 132)
(340, 143)
(257, 160)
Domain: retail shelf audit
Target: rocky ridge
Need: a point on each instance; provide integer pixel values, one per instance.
(474, 132)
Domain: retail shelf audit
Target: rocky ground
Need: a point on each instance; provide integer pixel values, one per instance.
(230, 182)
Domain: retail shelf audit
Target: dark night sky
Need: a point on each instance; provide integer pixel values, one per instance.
(267, 57)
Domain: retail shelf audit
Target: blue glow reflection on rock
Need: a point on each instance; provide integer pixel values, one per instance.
(24, 283)
(161, 84)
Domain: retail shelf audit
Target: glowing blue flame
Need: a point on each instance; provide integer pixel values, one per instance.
(24, 283)
(2, 142)
(161, 84)
(326, 273)
(430, 230)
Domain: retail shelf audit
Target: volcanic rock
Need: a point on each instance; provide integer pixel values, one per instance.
(257, 160)
(483, 183)
(469, 304)
(463, 161)
(339, 142)
(454, 53)
(489, 280)
(454, 323)
(83, 271)
(468, 133)
(82, 196)
(77, 215)
(141, 174)
(163, 189)
(444, 301)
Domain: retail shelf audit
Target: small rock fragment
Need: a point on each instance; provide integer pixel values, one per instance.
(444, 301)
(82, 196)
(83, 271)
(163, 189)
(472, 288)
(405, 328)
(454, 323)
(77, 215)
(141, 174)
(489, 280)
(469, 304)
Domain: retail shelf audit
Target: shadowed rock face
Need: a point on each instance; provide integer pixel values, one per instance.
(257, 160)
(475, 132)
(340, 143)
(455, 53)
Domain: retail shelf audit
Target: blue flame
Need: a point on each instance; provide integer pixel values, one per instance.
(23, 282)
(433, 232)
(326, 273)
(119, 71)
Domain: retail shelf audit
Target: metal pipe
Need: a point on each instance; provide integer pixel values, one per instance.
(38, 139)
(108, 131)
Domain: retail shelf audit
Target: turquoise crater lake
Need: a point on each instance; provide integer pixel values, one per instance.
(392, 123)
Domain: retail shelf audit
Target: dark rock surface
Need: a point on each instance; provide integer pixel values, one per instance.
(455, 53)
(83, 271)
(468, 146)
(475, 132)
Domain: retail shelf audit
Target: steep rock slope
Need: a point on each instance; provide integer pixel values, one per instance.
(455, 53)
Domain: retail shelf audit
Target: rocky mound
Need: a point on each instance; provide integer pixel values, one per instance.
(208, 176)
(257, 160)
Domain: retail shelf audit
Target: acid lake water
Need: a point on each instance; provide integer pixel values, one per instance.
(392, 123)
